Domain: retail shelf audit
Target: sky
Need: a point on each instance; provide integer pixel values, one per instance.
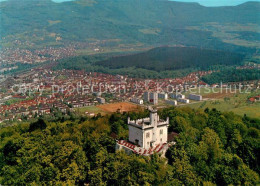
(202, 2)
(217, 2)
(205, 2)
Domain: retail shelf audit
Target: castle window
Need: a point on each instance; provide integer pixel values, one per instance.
(161, 131)
(148, 135)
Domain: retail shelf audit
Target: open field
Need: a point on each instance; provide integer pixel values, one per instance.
(122, 106)
(251, 110)
(218, 95)
(90, 109)
(236, 103)
(108, 108)
(211, 92)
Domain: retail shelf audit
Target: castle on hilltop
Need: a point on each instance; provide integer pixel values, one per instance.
(146, 136)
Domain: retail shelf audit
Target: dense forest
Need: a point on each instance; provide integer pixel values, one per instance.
(232, 75)
(20, 68)
(87, 63)
(173, 58)
(163, 62)
(212, 148)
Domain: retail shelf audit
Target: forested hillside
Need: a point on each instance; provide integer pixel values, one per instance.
(87, 63)
(232, 75)
(162, 62)
(173, 58)
(212, 147)
(128, 23)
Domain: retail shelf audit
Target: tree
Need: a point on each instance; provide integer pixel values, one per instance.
(40, 124)
(182, 169)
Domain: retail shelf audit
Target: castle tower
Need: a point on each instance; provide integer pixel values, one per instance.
(153, 117)
(154, 123)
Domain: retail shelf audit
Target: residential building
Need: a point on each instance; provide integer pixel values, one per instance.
(195, 97)
(163, 96)
(171, 102)
(147, 96)
(137, 101)
(184, 100)
(151, 97)
(101, 100)
(154, 98)
(176, 96)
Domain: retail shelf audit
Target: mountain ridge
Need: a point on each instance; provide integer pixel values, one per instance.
(149, 23)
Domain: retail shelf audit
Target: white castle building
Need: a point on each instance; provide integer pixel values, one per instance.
(146, 136)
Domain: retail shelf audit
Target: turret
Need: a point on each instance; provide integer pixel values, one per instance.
(153, 117)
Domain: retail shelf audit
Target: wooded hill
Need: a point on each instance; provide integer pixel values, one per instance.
(232, 75)
(174, 58)
(163, 62)
(212, 148)
(135, 22)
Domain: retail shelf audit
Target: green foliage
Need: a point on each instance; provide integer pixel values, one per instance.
(232, 75)
(173, 58)
(212, 148)
(40, 124)
(20, 68)
(88, 63)
(223, 150)
(163, 62)
(131, 22)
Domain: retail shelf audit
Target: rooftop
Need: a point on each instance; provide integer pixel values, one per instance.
(141, 151)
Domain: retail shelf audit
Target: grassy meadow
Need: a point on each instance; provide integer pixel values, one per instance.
(237, 103)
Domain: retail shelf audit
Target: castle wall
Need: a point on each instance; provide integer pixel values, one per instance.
(148, 140)
(136, 134)
(162, 134)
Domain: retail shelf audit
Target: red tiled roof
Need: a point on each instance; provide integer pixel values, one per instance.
(142, 151)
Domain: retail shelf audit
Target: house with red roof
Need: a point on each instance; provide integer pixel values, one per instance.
(254, 99)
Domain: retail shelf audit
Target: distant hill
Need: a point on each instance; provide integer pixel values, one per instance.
(232, 75)
(173, 58)
(129, 23)
(162, 62)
